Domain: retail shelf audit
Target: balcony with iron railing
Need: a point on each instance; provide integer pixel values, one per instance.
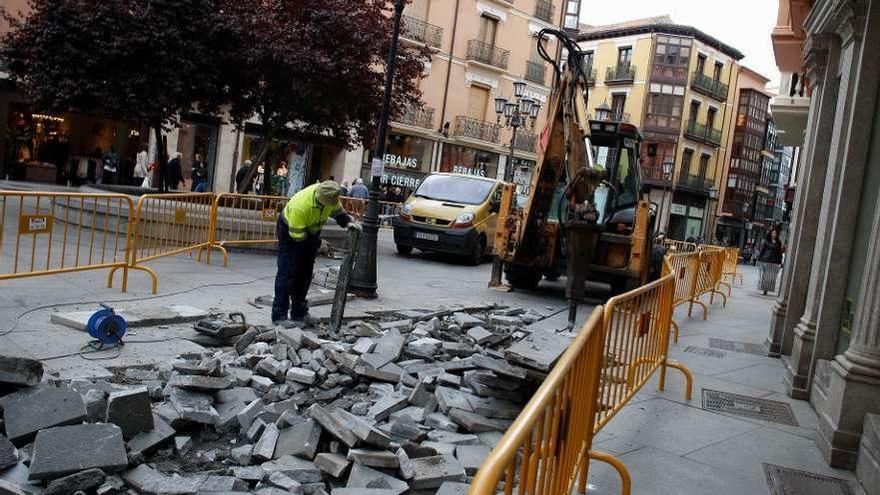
(487, 54)
(702, 83)
(544, 10)
(417, 117)
(694, 183)
(591, 74)
(620, 74)
(653, 174)
(422, 32)
(536, 72)
(481, 130)
(526, 141)
(702, 133)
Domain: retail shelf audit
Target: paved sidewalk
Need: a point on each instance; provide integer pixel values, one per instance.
(672, 446)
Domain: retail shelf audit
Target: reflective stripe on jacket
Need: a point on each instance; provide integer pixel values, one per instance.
(305, 216)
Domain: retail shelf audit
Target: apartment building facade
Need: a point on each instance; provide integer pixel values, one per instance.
(480, 48)
(675, 83)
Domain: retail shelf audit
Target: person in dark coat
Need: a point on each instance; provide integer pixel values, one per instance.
(769, 262)
(173, 172)
(199, 175)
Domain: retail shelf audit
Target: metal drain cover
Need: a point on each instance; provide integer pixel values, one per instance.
(750, 407)
(732, 345)
(702, 351)
(787, 481)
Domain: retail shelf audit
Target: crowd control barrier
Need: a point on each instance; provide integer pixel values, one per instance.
(357, 208)
(674, 246)
(548, 448)
(62, 232)
(731, 268)
(166, 225)
(242, 219)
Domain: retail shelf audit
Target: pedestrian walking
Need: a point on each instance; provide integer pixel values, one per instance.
(199, 175)
(141, 168)
(769, 261)
(299, 237)
(359, 190)
(240, 177)
(173, 172)
(110, 167)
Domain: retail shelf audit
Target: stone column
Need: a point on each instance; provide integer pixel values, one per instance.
(854, 383)
(814, 162)
(816, 333)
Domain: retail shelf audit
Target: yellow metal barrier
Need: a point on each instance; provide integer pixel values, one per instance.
(731, 268)
(165, 225)
(544, 450)
(357, 208)
(710, 273)
(674, 246)
(240, 219)
(683, 268)
(549, 446)
(63, 233)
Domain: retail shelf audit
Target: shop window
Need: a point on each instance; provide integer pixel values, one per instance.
(624, 56)
(462, 160)
(409, 153)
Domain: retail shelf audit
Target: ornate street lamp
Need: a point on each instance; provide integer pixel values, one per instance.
(518, 113)
(363, 279)
(603, 112)
(666, 169)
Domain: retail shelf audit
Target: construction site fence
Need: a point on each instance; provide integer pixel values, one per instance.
(44, 233)
(549, 447)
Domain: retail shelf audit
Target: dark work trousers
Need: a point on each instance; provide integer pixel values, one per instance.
(296, 262)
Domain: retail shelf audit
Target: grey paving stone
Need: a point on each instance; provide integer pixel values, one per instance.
(499, 367)
(471, 457)
(130, 410)
(300, 440)
(242, 454)
(362, 477)
(228, 414)
(388, 404)
(299, 469)
(194, 406)
(441, 422)
(466, 321)
(201, 383)
(249, 473)
(64, 450)
(332, 425)
(480, 335)
(453, 488)
(8, 455)
(540, 350)
(86, 480)
(453, 438)
(264, 449)
(149, 481)
(332, 464)
(183, 444)
(373, 458)
(449, 398)
(43, 409)
(285, 482)
(431, 472)
(20, 371)
(247, 415)
(301, 375)
(438, 448)
(148, 441)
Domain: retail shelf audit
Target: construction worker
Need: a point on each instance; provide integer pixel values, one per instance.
(299, 237)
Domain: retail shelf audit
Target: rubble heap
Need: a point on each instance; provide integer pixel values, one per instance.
(411, 402)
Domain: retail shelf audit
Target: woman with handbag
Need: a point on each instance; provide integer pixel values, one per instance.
(769, 261)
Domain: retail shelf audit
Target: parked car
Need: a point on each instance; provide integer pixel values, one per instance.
(450, 213)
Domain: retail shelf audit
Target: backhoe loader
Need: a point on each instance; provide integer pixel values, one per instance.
(587, 215)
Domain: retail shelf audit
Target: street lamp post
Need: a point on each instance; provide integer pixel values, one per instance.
(516, 114)
(363, 279)
(713, 195)
(667, 180)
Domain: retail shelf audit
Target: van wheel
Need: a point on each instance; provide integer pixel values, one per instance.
(403, 249)
(522, 277)
(479, 249)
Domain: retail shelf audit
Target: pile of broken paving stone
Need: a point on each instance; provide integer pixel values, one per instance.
(410, 402)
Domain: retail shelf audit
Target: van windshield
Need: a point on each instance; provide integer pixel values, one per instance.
(454, 189)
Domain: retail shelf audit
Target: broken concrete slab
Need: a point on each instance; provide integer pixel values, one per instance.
(363, 477)
(148, 441)
(236, 394)
(20, 371)
(402, 326)
(194, 406)
(228, 412)
(471, 457)
(440, 422)
(286, 483)
(453, 488)
(249, 473)
(301, 375)
(242, 454)
(264, 449)
(300, 440)
(412, 414)
(540, 350)
(332, 425)
(271, 368)
(262, 384)
(183, 444)
(465, 320)
(499, 367)
(64, 450)
(48, 407)
(96, 405)
(332, 464)
(149, 481)
(299, 469)
(130, 410)
(389, 345)
(437, 448)
(441, 436)
(249, 413)
(201, 383)
(388, 404)
(362, 428)
(431, 472)
(8, 454)
(138, 316)
(448, 398)
(374, 458)
(480, 335)
(82, 481)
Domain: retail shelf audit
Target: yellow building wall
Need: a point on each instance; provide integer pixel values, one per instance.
(604, 56)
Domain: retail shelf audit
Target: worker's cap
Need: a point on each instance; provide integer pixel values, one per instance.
(328, 193)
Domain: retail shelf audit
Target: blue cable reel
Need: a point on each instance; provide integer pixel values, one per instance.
(106, 326)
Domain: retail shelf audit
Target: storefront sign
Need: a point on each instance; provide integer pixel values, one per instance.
(377, 168)
(400, 180)
(461, 169)
(468, 161)
(397, 161)
(678, 209)
(695, 212)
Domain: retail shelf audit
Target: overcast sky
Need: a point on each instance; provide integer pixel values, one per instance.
(743, 24)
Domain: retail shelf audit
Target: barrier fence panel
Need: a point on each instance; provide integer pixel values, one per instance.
(731, 268)
(636, 344)
(241, 219)
(357, 208)
(674, 246)
(543, 450)
(168, 224)
(43, 233)
(709, 275)
(683, 267)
